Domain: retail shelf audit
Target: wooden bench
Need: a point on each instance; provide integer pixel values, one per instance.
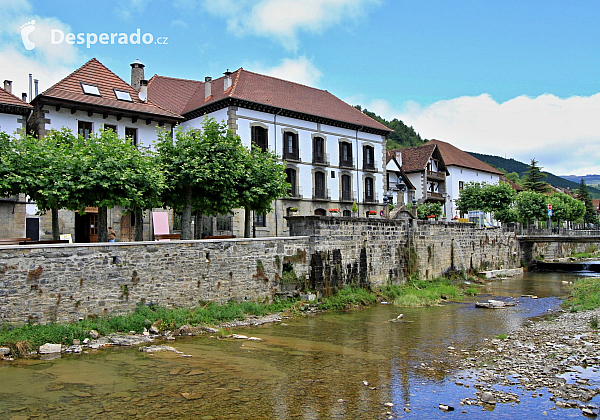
(163, 236)
(13, 241)
(220, 237)
(49, 242)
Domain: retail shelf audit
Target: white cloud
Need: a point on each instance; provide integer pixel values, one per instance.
(283, 20)
(561, 133)
(127, 10)
(48, 63)
(299, 70)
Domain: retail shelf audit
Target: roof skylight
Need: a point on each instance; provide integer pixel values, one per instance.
(123, 95)
(90, 89)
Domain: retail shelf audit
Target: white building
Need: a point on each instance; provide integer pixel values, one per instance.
(334, 154)
(13, 111)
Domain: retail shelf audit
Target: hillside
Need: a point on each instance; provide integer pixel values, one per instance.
(402, 136)
(593, 180)
(511, 165)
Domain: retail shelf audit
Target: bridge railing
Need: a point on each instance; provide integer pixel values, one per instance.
(519, 230)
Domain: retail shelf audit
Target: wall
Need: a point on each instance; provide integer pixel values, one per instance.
(10, 123)
(465, 175)
(69, 282)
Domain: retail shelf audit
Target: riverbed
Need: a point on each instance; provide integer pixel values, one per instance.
(352, 365)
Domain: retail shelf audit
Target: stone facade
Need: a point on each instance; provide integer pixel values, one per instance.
(69, 282)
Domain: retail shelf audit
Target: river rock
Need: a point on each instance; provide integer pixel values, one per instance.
(94, 334)
(446, 407)
(50, 348)
(128, 340)
(4, 351)
(488, 398)
(154, 329)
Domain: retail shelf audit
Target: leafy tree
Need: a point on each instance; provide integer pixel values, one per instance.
(590, 215)
(513, 177)
(203, 169)
(498, 197)
(263, 182)
(531, 205)
(533, 179)
(427, 209)
(471, 197)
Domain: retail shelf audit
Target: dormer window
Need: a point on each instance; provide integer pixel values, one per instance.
(90, 89)
(123, 95)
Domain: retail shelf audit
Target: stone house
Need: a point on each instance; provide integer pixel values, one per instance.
(334, 154)
(87, 100)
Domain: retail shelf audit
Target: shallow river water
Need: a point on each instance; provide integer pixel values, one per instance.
(330, 365)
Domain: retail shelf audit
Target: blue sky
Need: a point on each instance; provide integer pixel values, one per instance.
(516, 79)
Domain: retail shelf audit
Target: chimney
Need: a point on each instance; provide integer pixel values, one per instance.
(24, 96)
(30, 87)
(35, 83)
(207, 87)
(399, 157)
(8, 86)
(143, 95)
(137, 74)
(227, 80)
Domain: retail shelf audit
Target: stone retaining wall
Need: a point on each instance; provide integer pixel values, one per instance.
(69, 282)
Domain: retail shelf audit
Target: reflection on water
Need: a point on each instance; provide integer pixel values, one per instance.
(336, 365)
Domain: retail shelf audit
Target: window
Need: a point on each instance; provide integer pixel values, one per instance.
(347, 213)
(122, 95)
(131, 133)
(346, 154)
(319, 150)
(346, 188)
(461, 185)
(110, 127)
(84, 128)
(260, 220)
(369, 195)
(320, 212)
(90, 89)
(224, 222)
(290, 175)
(290, 146)
(320, 191)
(260, 138)
(368, 157)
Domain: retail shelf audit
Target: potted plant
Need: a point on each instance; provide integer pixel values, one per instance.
(371, 213)
(293, 211)
(354, 209)
(431, 218)
(334, 212)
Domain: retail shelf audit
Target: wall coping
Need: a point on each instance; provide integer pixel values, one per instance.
(160, 243)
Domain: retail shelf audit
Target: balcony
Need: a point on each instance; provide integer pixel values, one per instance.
(348, 196)
(370, 166)
(440, 176)
(295, 193)
(292, 157)
(349, 163)
(433, 196)
(320, 160)
(373, 198)
(321, 194)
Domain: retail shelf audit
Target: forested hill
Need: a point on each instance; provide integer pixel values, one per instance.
(403, 136)
(511, 165)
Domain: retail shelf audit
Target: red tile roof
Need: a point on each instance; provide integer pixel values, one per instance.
(453, 156)
(7, 98)
(259, 89)
(95, 73)
(415, 159)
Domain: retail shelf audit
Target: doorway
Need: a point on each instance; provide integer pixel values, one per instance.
(86, 227)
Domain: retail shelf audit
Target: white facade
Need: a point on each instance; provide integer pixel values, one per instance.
(146, 133)
(9, 123)
(459, 177)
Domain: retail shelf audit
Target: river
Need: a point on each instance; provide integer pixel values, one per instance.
(330, 365)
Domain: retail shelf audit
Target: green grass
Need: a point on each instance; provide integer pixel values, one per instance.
(420, 293)
(23, 338)
(348, 297)
(502, 336)
(585, 295)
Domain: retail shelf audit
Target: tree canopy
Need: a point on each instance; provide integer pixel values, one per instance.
(533, 179)
(590, 215)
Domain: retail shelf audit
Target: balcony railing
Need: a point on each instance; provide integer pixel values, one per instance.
(435, 196)
(436, 175)
(370, 166)
(347, 195)
(320, 160)
(295, 193)
(373, 198)
(295, 156)
(347, 163)
(321, 194)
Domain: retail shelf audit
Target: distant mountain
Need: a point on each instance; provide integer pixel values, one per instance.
(511, 165)
(593, 180)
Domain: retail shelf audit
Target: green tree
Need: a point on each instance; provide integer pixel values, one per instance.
(513, 177)
(531, 205)
(533, 179)
(263, 182)
(583, 195)
(428, 209)
(203, 169)
(471, 197)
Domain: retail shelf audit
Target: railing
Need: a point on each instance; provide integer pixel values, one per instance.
(295, 193)
(293, 157)
(436, 175)
(320, 160)
(434, 195)
(348, 195)
(347, 163)
(374, 198)
(320, 194)
(531, 231)
(371, 166)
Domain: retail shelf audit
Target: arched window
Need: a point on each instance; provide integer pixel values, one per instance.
(290, 174)
(368, 157)
(347, 188)
(290, 146)
(320, 212)
(369, 193)
(320, 191)
(346, 154)
(260, 138)
(319, 150)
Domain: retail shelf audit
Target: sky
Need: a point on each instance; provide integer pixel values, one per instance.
(514, 79)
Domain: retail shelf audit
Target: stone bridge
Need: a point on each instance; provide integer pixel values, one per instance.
(543, 245)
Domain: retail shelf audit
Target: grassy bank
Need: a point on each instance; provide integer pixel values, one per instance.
(22, 339)
(585, 295)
